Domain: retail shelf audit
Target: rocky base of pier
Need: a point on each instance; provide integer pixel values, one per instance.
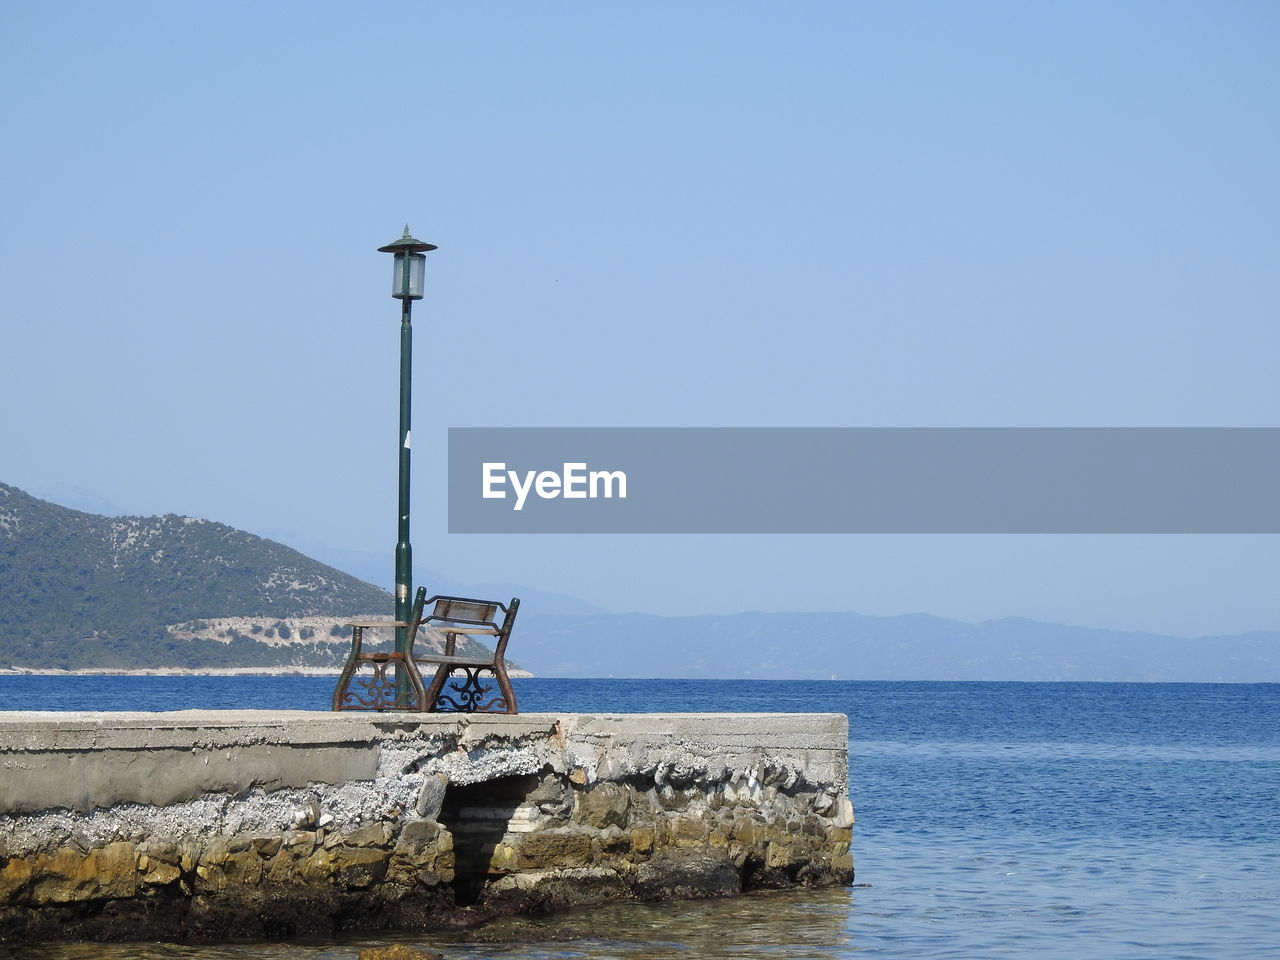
(459, 823)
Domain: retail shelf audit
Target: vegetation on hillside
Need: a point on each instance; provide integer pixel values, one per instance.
(79, 590)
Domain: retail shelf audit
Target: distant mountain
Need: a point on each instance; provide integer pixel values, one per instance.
(79, 590)
(852, 646)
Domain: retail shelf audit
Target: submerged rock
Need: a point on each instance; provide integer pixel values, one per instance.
(398, 951)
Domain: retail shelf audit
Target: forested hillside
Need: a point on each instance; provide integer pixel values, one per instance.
(79, 590)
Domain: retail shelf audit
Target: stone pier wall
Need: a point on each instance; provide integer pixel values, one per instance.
(214, 824)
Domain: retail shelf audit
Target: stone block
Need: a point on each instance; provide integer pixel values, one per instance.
(553, 797)
(214, 852)
(690, 831)
(244, 868)
(15, 875)
(374, 835)
(159, 873)
(431, 796)
(604, 805)
(642, 840)
(686, 877)
(552, 849)
(318, 868)
(423, 855)
(267, 847)
(71, 877)
(505, 858)
(282, 868)
(359, 868)
(779, 854)
(417, 835)
(843, 815)
(300, 842)
(210, 879)
(744, 830)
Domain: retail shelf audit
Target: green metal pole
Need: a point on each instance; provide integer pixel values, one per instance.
(404, 553)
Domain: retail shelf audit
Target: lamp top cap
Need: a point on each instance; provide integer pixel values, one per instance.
(407, 244)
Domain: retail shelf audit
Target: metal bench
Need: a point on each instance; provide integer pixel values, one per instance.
(358, 689)
(464, 616)
(380, 691)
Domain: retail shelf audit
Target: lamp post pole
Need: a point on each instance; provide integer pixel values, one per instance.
(404, 552)
(406, 286)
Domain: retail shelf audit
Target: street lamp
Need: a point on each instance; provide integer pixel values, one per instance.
(406, 286)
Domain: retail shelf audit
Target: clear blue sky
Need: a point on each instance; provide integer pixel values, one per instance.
(667, 214)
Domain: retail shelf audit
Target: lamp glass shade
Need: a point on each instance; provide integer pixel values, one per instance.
(408, 276)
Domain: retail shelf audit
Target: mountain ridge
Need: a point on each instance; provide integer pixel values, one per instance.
(81, 590)
(855, 646)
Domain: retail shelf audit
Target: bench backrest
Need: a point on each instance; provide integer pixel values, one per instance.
(465, 611)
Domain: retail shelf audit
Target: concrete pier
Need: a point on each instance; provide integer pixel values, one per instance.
(213, 824)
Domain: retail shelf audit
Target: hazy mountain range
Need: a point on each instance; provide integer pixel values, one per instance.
(82, 590)
(851, 646)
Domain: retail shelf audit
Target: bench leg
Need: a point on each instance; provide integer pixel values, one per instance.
(504, 684)
(348, 671)
(415, 680)
(436, 688)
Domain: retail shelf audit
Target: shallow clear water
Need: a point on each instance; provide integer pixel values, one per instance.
(994, 820)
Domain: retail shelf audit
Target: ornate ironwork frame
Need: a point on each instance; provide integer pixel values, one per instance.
(468, 693)
(458, 616)
(381, 691)
(471, 691)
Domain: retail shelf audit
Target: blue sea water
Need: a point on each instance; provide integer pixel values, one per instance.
(993, 820)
